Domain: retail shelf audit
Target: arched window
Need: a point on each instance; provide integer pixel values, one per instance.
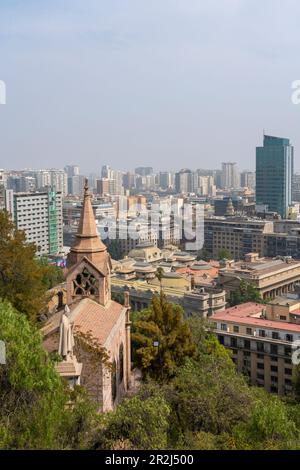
(121, 362)
(114, 381)
(85, 283)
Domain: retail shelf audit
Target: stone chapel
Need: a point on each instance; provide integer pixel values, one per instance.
(89, 309)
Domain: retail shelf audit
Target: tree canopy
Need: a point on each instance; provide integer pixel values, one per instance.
(246, 292)
(24, 280)
(162, 339)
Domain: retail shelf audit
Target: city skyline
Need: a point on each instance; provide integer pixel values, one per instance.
(120, 81)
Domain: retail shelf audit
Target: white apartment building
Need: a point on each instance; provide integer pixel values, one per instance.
(39, 215)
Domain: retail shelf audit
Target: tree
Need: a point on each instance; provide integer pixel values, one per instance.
(162, 339)
(115, 250)
(52, 274)
(159, 275)
(35, 411)
(31, 392)
(268, 427)
(22, 278)
(140, 422)
(224, 254)
(246, 292)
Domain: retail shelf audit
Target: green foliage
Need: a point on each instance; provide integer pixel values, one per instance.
(22, 278)
(224, 254)
(31, 393)
(296, 382)
(162, 323)
(269, 426)
(245, 293)
(141, 422)
(115, 250)
(52, 275)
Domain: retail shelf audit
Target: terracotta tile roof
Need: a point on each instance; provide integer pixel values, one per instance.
(88, 316)
(245, 314)
(242, 310)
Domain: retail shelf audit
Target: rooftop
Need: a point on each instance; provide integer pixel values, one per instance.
(249, 314)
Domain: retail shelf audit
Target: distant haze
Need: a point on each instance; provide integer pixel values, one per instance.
(162, 83)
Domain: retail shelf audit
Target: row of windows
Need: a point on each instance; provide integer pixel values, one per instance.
(261, 333)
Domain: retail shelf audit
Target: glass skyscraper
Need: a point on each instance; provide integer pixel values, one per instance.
(274, 170)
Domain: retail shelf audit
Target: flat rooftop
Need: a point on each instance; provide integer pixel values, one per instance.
(249, 314)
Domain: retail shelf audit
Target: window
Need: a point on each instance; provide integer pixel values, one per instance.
(260, 347)
(289, 338)
(247, 344)
(249, 331)
(275, 335)
(261, 376)
(236, 329)
(114, 381)
(221, 339)
(274, 389)
(233, 342)
(260, 365)
(274, 358)
(287, 351)
(85, 283)
(288, 371)
(274, 368)
(223, 327)
(282, 317)
(247, 353)
(121, 363)
(288, 382)
(274, 378)
(274, 349)
(262, 333)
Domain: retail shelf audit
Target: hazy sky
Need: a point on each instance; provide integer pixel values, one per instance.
(166, 83)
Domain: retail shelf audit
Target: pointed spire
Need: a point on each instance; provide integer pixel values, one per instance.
(87, 224)
(88, 243)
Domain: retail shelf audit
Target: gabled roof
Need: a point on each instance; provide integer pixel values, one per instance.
(88, 316)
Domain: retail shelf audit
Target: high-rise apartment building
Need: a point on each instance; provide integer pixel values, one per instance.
(230, 176)
(274, 170)
(248, 179)
(72, 170)
(144, 170)
(39, 215)
(184, 181)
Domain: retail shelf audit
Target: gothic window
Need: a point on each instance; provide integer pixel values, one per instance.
(114, 381)
(85, 283)
(121, 362)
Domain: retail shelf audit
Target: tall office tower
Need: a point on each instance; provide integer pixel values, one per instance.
(72, 170)
(103, 186)
(40, 216)
(230, 176)
(218, 178)
(129, 180)
(106, 172)
(76, 185)
(274, 170)
(184, 181)
(117, 187)
(59, 181)
(165, 180)
(296, 187)
(248, 179)
(144, 170)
